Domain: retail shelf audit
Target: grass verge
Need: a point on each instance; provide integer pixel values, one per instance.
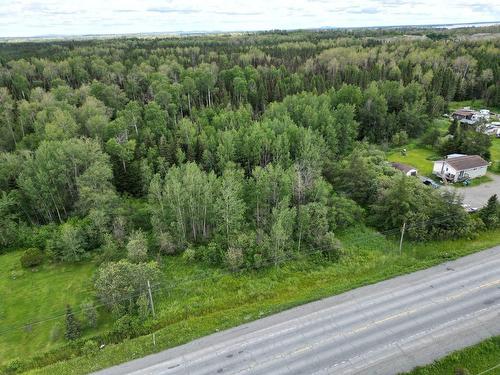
(226, 300)
(477, 359)
(495, 155)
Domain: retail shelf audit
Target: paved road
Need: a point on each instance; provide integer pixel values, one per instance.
(383, 328)
(477, 196)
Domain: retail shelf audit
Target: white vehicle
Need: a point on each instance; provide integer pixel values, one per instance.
(468, 208)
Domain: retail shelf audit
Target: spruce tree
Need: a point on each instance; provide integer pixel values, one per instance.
(72, 325)
(490, 214)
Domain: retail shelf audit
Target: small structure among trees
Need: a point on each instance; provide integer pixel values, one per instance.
(408, 170)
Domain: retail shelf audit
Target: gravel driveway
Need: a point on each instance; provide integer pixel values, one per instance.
(477, 196)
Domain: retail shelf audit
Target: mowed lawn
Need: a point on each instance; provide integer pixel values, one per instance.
(495, 155)
(418, 157)
(478, 359)
(31, 296)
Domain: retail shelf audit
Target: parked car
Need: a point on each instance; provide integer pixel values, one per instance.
(430, 182)
(468, 208)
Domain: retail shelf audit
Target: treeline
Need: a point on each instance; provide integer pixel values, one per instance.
(244, 147)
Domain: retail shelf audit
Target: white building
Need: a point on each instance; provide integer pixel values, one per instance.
(457, 167)
(406, 169)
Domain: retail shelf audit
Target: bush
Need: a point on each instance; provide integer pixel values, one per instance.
(189, 254)
(118, 285)
(331, 246)
(56, 332)
(14, 366)
(127, 326)
(68, 243)
(137, 247)
(110, 250)
(90, 348)
(400, 138)
(31, 258)
(234, 258)
(90, 314)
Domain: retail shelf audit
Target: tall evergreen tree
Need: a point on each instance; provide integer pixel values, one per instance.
(73, 330)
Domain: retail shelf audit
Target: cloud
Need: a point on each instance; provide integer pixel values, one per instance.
(63, 17)
(236, 13)
(364, 11)
(172, 10)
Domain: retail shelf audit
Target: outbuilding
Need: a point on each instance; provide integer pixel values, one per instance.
(457, 167)
(406, 169)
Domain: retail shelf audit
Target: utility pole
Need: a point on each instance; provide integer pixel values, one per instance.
(151, 303)
(401, 240)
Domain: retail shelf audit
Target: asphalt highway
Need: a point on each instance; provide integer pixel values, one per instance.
(384, 328)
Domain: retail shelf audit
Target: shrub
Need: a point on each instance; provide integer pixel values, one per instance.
(118, 285)
(68, 244)
(127, 326)
(14, 366)
(56, 332)
(234, 258)
(166, 243)
(137, 247)
(331, 246)
(400, 138)
(90, 315)
(89, 348)
(189, 254)
(72, 325)
(110, 250)
(31, 258)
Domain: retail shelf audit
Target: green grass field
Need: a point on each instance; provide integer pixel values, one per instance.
(495, 155)
(29, 296)
(418, 157)
(478, 359)
(203, 300)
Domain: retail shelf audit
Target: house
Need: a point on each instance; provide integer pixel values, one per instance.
(464, 113)
(491, 128)
(406, 169)
(469, 116)
(458, 167)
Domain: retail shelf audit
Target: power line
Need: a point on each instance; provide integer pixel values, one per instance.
(489, 369)
(206, 276)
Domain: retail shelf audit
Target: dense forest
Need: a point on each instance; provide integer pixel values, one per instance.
(238, 151)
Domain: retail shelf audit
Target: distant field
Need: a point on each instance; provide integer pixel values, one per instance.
(475, 104)
(478, 359)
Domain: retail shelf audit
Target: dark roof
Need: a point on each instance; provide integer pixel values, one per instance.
(467, 162)
(403, 167)
(464, 112)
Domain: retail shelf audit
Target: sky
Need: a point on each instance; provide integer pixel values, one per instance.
(22, 18)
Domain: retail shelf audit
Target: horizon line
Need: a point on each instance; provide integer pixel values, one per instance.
(58, 37)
